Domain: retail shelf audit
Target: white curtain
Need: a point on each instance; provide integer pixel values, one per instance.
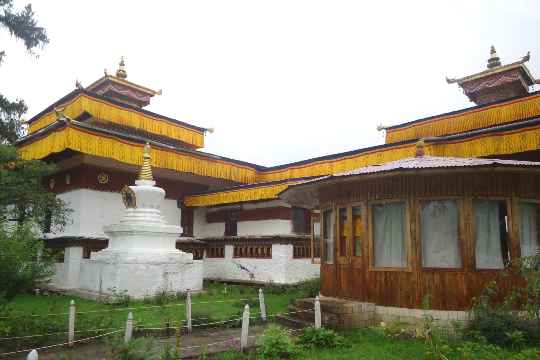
(389, 235)
(328, 236)
(440, 234)
(488, 236)
(529, 229)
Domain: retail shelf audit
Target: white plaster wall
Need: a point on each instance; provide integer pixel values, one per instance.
(264, 227)
(261, 270)
(203, 229)
(58, 276)
(94, 209)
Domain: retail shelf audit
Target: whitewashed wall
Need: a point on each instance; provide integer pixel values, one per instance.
(203, 229)
(278, 269)
(93, 209)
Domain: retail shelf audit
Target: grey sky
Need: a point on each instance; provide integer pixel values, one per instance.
(280, 81)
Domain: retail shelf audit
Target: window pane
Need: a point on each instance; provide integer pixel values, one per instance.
(440, 234)
(343, 231)
(389, 234)
(490, 234)
(328, 236)
(316, 237)
(300, 220)
(358, 230)
(530, 220)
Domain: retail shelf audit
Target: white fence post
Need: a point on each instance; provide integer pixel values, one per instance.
(262, 305)
(71, 323)
(188, 311)
(317, 313)
(129, 328)
(32, 355)
(245, 329)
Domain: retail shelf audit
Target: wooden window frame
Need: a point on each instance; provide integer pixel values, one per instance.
(342, 259)
(462, 233)
(408, 242)
(332, 231)
(358, 261)
(517, 219)
(510, 230)
(315, 216)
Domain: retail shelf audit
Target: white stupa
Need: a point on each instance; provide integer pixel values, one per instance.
(141, 257)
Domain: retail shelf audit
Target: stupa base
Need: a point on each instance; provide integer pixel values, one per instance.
(141, 274)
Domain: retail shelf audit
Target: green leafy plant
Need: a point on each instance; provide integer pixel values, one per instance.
(516, 339)
(275, 344)
(320, 338)
(169, 352)
(136, 349)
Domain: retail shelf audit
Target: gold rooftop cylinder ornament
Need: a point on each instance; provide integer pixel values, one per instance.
(146, 169)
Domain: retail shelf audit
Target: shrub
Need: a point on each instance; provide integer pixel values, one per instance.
(275, 343)
(320, 338)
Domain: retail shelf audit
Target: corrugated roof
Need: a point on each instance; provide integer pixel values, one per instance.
(433, 162)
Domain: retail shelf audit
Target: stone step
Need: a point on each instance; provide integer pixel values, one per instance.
(336, 306)
(293, 322)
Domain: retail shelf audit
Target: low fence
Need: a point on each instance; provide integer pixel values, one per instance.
(188, 324)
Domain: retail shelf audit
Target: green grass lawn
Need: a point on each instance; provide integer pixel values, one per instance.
(217, 302)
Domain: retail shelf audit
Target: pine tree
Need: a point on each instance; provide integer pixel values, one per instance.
(22, 25)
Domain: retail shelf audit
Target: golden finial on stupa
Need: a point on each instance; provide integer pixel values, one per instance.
(146, 169)
(121, 72)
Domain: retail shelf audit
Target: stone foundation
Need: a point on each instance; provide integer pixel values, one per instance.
(347, 314)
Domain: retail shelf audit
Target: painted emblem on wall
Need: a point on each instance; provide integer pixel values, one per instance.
(128, 197)
(103, 178)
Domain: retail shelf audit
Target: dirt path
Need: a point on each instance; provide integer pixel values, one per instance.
(192, 345)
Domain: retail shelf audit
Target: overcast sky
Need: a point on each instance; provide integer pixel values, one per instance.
(280, 81)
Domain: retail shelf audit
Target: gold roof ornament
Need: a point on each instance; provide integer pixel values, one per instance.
(121, 72)
(494, 60)
(146, 169)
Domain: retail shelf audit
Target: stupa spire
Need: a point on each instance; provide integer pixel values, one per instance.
(146, 168)
(121, 72)
(494, 60)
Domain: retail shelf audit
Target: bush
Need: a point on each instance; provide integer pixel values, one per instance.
(307, 288)
(503, 329)
(23, 261)
(320, 338)
(275, 344)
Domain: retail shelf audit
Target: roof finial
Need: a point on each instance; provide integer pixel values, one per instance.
(420, 148)
(494, 59)
(121, 72)
(146, 169)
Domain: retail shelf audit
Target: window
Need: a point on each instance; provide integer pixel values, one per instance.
(491, 234)
(389, 235)
(358, 230)
(300, 220)
(316, 236)
(231, 224)
(328, 236)
(529, 228)
(186, 221)
(440, 234)
(343, 231)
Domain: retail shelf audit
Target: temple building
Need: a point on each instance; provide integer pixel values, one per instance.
(248, 222)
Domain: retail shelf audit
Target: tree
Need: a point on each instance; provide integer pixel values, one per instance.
(23, 198)
(23, 26)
